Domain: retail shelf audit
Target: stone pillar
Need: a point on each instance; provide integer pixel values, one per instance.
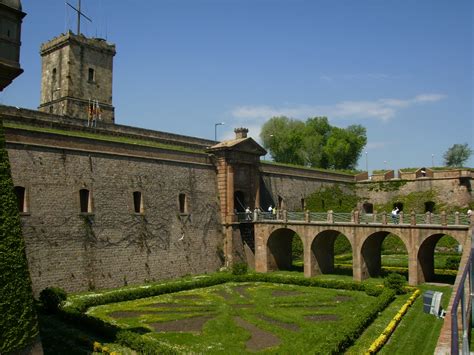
(330, 217)
(428, 218)
(375, 217)
(400, 220)
(261, 263)
(443, 218)
(230, 218)
(285, 216)
(384, 218)
(456, 218)
(307, 216)
(413, 218)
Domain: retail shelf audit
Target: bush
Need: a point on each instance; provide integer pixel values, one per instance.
(239, 269)
(452, 262)
(395, 282)
(51, 298)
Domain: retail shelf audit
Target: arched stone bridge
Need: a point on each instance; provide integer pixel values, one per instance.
(273, 246)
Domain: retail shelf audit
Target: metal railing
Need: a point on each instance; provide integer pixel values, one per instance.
(356, 218)
(463, 298)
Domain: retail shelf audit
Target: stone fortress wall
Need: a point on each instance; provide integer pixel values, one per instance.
(180, 227)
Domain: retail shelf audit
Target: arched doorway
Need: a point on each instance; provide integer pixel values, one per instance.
(280, 249)
(325, 248)
(438, 256)
(368, 207)
(375, 249)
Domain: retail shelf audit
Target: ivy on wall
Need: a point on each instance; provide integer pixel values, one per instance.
(333, 198)
(414, 201)
(18, 324)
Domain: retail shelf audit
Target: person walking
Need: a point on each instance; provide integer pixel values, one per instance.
(395, 215)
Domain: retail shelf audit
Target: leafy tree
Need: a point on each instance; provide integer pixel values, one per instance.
(457, 155)
(313, 143)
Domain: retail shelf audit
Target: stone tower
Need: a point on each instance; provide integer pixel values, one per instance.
(76, 71)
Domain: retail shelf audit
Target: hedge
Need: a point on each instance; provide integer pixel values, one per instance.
(74, 310)
(18, 325)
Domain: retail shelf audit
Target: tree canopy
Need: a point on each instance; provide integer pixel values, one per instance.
(314, 143)
(457, 155)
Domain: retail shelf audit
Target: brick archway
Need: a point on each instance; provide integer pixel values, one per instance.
(321, 253)
(371, 252)
(279, 250)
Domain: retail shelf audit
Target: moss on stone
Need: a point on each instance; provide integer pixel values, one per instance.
(333, 198)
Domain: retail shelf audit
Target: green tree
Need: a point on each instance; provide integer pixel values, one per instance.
(313, 143)
(457, 155)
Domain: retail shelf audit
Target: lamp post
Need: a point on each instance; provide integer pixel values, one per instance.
(366, 162)
(385, 165)
(215, 129)
(432, 160)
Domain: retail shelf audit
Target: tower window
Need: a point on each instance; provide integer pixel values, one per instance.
(138, 202)
(183, 203)
(85, 201)
(91, 75)
(53, 76)
(20, 193)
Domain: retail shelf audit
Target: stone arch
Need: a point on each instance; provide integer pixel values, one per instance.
(368, 207)
(430, 206)
(279, 255)
(371, 253)
(426, 256)
(321, 259)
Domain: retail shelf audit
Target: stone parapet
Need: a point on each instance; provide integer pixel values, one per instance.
(43, 119)
(273, 169)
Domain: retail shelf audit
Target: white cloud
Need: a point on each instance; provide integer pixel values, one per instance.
(383, 109)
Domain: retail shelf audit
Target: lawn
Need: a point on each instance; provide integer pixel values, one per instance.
(243, 317)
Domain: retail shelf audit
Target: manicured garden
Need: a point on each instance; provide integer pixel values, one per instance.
(281, 312)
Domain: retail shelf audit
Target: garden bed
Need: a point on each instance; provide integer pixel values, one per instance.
(235, 314)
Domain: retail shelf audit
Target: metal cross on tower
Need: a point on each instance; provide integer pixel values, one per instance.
(79, 14)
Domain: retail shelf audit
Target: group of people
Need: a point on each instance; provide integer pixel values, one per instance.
(248, 212)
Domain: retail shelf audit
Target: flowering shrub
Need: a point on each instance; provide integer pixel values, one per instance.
(383, 338)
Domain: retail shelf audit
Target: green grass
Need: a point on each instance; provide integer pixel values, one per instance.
(103, 137)
(397, 260)
(287, 304)
(418, 332)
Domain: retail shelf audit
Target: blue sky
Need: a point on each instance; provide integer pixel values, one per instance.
(401, 68)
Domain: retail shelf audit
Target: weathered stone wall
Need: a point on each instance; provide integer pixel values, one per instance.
(294, 184)
(452, 192)
(66, 82)
(113, 245)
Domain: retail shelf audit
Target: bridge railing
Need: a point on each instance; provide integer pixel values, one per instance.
(357, 218)
(462, 305)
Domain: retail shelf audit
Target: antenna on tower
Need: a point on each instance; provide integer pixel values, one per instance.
(79, 14)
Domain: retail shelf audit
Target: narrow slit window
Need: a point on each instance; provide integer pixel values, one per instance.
(91, 75)
(183, 208)
(85, 200)
(21, 198)
(303, 204)
(54, 74)
(138, 202)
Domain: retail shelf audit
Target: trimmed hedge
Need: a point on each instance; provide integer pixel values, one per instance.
(18, 325)
(74, 309)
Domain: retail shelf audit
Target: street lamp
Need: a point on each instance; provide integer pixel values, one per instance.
(366, 163)
(385, 165)
(432, 160)
(215, 129)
